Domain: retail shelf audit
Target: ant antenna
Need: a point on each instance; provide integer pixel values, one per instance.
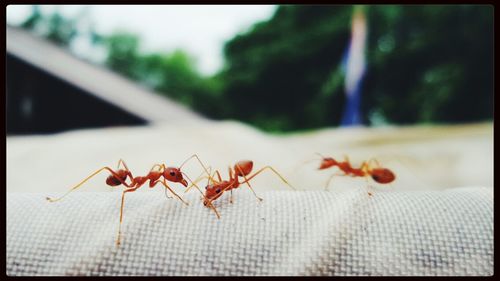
(192, 183)
(323, 157)
(197, 158)
(185, 161)
(296, 167)
(198, 178)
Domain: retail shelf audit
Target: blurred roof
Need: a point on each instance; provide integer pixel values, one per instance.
(94, 79)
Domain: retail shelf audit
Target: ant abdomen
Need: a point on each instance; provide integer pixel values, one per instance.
(120, 178)
(382, 175)
(243, 168)
(113, 181)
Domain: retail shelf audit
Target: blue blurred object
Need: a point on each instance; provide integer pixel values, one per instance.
(355, 69)
(352, 112)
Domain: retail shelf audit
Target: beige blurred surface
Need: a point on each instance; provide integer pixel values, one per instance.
(423, 157)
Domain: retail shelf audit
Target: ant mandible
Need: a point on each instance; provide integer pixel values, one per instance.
(120, 176)
(241, 169)
(378, 174)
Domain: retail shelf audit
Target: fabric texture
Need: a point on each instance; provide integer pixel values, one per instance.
(346, 232)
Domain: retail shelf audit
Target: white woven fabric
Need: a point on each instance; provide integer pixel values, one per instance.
(446, 232)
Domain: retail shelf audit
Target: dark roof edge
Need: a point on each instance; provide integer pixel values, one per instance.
(94, 79)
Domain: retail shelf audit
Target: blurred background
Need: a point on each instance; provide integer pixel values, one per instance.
(278, 68)
(411, 86)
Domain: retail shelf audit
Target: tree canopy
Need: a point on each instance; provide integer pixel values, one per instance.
(425, 63)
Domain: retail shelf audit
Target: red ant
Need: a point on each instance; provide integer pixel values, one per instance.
(241, 169)
(378, 174)
(120, 176)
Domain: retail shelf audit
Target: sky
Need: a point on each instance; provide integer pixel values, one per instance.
(201, 30)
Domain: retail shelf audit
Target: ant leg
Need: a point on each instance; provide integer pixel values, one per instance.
(330, 179)
(210, 205)
(159, 170)
(246, 181)
(218, 175)
(374, 160)
(368, 187)
(166, 194)
(214, 209)
(201, 163)
(365, 167)
(209, 201)
(231, 178)
(86, 179)
(198, 179)
(129, 173)
(222, 191)
(273, 170)
(212, 178)
(193, 183)
(166, 186)
(205, 199)
(160, 167)
(157, 165)
(121, 215)
(121, 161)
(346, 158)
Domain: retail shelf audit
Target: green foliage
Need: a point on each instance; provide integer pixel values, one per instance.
(284, 74)
(123, 54)
(425, 63)
(55, 27)
(173, 75)
(34, 19)
(430, 63)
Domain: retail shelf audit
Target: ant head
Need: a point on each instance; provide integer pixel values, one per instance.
(327, 163)
(243, 168)
(212, 192)
(382, 175)
(174, 175)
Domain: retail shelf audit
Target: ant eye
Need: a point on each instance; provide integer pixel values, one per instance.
(206, 187)
(218, 190)
(172, 173)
